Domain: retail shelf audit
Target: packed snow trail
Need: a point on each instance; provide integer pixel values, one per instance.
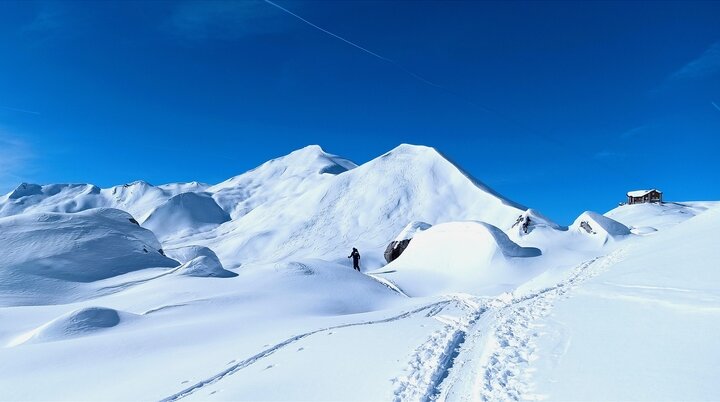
(433, 360)
(501, 341)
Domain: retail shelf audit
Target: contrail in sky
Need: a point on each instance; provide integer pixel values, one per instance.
(508, 118)
(716, 106)
(13, 109)
(355, 45)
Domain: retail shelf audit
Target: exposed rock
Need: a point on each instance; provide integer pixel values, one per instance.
(397, 246)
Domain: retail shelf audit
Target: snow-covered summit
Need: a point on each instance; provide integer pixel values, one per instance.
(279, 212)
(308, 203)
(286, 176)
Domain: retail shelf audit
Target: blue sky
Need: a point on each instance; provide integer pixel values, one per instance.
(560, 106)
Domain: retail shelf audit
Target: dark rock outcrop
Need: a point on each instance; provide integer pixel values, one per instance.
(395, 248)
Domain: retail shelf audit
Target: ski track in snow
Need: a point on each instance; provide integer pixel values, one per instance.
(434, 308)
(503, 328)
(509, 339)
(432, 361)
(492, 343)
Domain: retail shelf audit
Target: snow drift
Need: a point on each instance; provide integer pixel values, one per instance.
(46, 252)
(199, 261)
(81, 322)
(598, 227)
(185, 213)
(454, 255)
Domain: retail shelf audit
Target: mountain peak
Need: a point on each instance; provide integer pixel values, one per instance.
(25, 189)
(310, 149)
(411, 149)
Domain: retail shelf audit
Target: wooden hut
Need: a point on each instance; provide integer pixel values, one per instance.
(644, 196)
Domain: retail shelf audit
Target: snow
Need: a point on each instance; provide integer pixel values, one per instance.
(598, 227)
(455, 256)
(204, 266)
(322, 215)
(646, 326)
(185, 213)
(657, 216)
(49, 256)
(411, 230)
(73, 324)
(252, 296)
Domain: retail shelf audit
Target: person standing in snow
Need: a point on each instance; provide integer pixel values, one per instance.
(356, 258)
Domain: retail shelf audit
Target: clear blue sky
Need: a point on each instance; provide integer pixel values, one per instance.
(560, 106)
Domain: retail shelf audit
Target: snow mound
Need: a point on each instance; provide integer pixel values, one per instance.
(318, 287)
(451, 255)
(185, 213)
(187, 253)
(44, 253)
(198, 261)
(643, 230)
(599, 227)
(74, 324)
(205, 267)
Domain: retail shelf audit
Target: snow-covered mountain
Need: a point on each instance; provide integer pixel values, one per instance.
(233, 291)
(306, 204)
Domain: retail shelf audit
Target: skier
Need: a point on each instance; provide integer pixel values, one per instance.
(356, 258)
(526, 224)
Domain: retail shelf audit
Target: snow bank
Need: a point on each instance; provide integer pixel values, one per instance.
(82, 322)
(452, 256)
(598, 227)
(46, 251)
(185, 213)
(187, 253)
(204, 267)
(318, 287)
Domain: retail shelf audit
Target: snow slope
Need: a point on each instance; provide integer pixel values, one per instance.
(185, 213)
(648, 218)
(137, 198)
(308, 204)
(365, 207)
(646, 326)
(48, 256)
(256, 299)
